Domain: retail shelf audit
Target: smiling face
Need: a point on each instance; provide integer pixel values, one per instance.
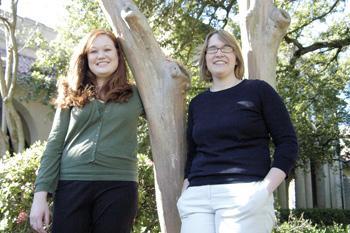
(102, 58)
(220, 64)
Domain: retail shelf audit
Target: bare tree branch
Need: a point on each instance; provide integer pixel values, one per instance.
(315, 18)
(301, 50)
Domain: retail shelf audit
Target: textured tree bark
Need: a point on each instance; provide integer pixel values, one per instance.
(14, 125)
(11, 120)
(262, 28)
(162, 85)
(3, 144)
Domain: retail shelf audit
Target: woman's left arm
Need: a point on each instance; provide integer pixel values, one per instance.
(281, 130)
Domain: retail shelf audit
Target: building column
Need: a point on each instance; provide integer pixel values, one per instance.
(335, 185)
(300, 199)
(303, 187)
(323, 188)
(282, 195)
(308, 186)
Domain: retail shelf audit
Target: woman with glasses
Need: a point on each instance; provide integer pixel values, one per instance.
(229, 176)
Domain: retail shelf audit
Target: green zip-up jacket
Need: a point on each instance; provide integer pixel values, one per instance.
(96, 142)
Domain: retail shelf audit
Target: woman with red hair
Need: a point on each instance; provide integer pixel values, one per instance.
(90, 164)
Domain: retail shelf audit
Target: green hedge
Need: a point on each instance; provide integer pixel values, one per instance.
(326, 217)
(297, 224)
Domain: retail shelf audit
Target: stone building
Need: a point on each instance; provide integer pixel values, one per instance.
(37, 118)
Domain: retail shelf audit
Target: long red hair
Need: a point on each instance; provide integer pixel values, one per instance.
(78, 88)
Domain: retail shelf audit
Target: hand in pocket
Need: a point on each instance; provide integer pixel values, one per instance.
(257, 199)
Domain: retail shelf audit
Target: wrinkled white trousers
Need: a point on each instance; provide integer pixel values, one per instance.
(227, 208)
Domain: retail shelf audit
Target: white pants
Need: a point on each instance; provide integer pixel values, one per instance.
(227, 208)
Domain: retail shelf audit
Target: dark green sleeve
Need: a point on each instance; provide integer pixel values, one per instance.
(48, 173)
(140, 104)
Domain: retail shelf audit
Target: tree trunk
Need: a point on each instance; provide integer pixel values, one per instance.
(162, 85)
(14, 124)
(3, 144)
(12, 120)
(262, 28)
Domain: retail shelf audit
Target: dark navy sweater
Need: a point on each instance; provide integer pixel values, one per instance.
(229, 132)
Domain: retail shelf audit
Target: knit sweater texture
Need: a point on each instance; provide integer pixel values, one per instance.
(95, 142)
(229, 134)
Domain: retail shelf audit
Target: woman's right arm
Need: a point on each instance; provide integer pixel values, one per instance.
(47, 177)
(39, 213)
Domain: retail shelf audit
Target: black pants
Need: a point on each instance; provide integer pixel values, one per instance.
(94, 207)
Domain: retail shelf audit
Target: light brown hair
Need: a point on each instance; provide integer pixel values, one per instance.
(78, 87)
(229, 40)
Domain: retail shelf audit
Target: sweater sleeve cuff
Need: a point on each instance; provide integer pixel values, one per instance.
(284, 164)
(44, 187)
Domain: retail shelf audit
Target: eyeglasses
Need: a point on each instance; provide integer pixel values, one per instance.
(225, 49)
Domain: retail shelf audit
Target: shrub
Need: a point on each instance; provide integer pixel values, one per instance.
(297, 224)
(147, 218)
(17, 176)
(325, 217)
